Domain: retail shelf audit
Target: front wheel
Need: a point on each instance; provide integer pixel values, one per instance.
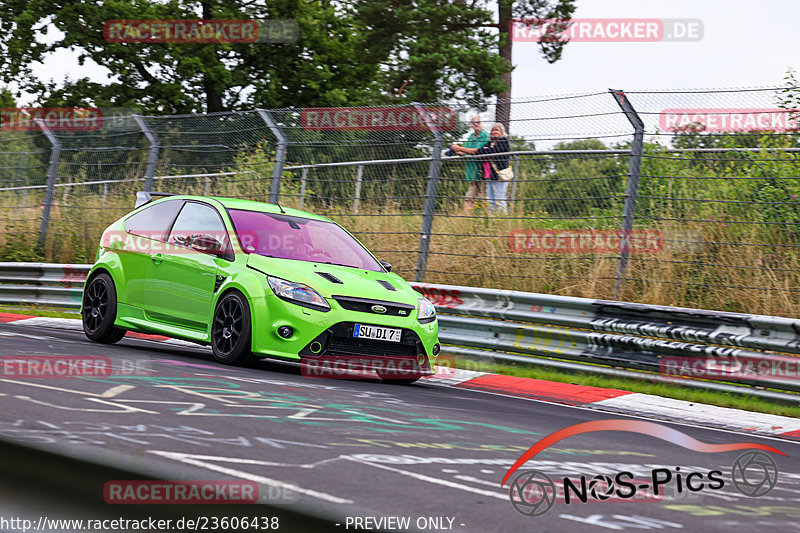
(100, 310)
(230, 330)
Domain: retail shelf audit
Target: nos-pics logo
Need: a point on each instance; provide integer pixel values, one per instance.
(533, 493)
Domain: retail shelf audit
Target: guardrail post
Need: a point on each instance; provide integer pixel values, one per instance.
(152, 154)
(357, 197)
(52, 174)
(631, 189)
(303, 181)
(431, 192)
(280, 155)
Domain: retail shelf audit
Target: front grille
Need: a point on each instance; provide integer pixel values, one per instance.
(365, 305)
(368, 348)
(338, 340)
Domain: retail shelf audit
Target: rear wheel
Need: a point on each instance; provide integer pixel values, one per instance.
(230, 330)
(100, 310)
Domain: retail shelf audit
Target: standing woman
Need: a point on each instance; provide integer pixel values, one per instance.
(496, 189)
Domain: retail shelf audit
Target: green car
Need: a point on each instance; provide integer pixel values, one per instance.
(256, 280)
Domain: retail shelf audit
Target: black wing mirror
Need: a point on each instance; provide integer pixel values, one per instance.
(386, 265)
(207, 244)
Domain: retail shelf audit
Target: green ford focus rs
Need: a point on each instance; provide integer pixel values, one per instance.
(254, 279)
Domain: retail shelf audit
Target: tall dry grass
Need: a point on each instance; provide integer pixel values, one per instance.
(701, 265)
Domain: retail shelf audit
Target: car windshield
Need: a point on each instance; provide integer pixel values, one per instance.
(302, 239)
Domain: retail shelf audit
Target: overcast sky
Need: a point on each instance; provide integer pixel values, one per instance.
(745, 44)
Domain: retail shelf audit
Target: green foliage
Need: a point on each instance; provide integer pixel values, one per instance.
(18, 244)
(361, 52)
(578, 186)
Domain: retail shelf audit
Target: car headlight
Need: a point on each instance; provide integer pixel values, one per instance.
(298, 293)
(427, 311)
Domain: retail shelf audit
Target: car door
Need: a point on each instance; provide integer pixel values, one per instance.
(181, 279)
(142, 231)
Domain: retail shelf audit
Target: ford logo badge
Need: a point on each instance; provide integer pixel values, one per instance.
(378, 309)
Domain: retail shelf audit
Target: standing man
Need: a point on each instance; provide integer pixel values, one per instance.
(473, 169)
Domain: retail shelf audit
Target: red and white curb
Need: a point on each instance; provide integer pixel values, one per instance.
(615, 400)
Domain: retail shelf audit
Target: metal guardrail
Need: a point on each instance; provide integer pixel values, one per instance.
(57, 285)
(574, 333)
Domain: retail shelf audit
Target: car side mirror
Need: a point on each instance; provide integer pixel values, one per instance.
(207, 244)
(386, 265)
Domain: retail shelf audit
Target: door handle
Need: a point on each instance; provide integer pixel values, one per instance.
(157, 258)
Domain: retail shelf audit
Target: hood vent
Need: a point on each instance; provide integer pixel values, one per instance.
(386, 285)
(330, 277)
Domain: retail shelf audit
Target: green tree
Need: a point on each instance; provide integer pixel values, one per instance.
(551, 49)
(358, 52)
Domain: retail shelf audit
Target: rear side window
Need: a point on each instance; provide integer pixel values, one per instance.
(154, 221)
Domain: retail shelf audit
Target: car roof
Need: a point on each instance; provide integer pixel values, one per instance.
(251, 205)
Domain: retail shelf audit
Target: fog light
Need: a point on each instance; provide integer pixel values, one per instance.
(285, 331)
(315, 347)
(436, 349)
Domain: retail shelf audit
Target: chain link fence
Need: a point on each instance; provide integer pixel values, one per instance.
(683, 198)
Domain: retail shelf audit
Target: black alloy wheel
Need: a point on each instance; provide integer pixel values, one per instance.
(230, 330)
(100, 310)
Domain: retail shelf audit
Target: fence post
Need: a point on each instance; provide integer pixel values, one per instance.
(631, 189)
(152, 154)
(303, 180)
(280, 155)
(357, 197)
(52, 174)
(514, 182)
(431, 192)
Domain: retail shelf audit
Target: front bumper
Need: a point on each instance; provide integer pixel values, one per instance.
(333, 332)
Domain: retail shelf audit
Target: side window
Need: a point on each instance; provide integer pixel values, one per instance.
(154, 221)
(199, 226)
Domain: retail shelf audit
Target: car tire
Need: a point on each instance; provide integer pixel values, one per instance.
(230, 330)
(100, 310)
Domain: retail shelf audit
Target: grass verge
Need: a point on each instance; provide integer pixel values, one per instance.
(36, 310)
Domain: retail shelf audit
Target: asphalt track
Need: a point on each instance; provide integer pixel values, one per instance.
(360, 448)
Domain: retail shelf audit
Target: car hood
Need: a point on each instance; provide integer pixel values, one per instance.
(322, 278)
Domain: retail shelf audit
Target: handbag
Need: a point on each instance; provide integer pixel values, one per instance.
(507, 174)
(487, 171)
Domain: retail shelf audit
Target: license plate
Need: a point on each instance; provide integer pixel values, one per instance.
(375, 332)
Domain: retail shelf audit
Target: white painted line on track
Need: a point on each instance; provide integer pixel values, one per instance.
(429, 479)
(189, 459)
